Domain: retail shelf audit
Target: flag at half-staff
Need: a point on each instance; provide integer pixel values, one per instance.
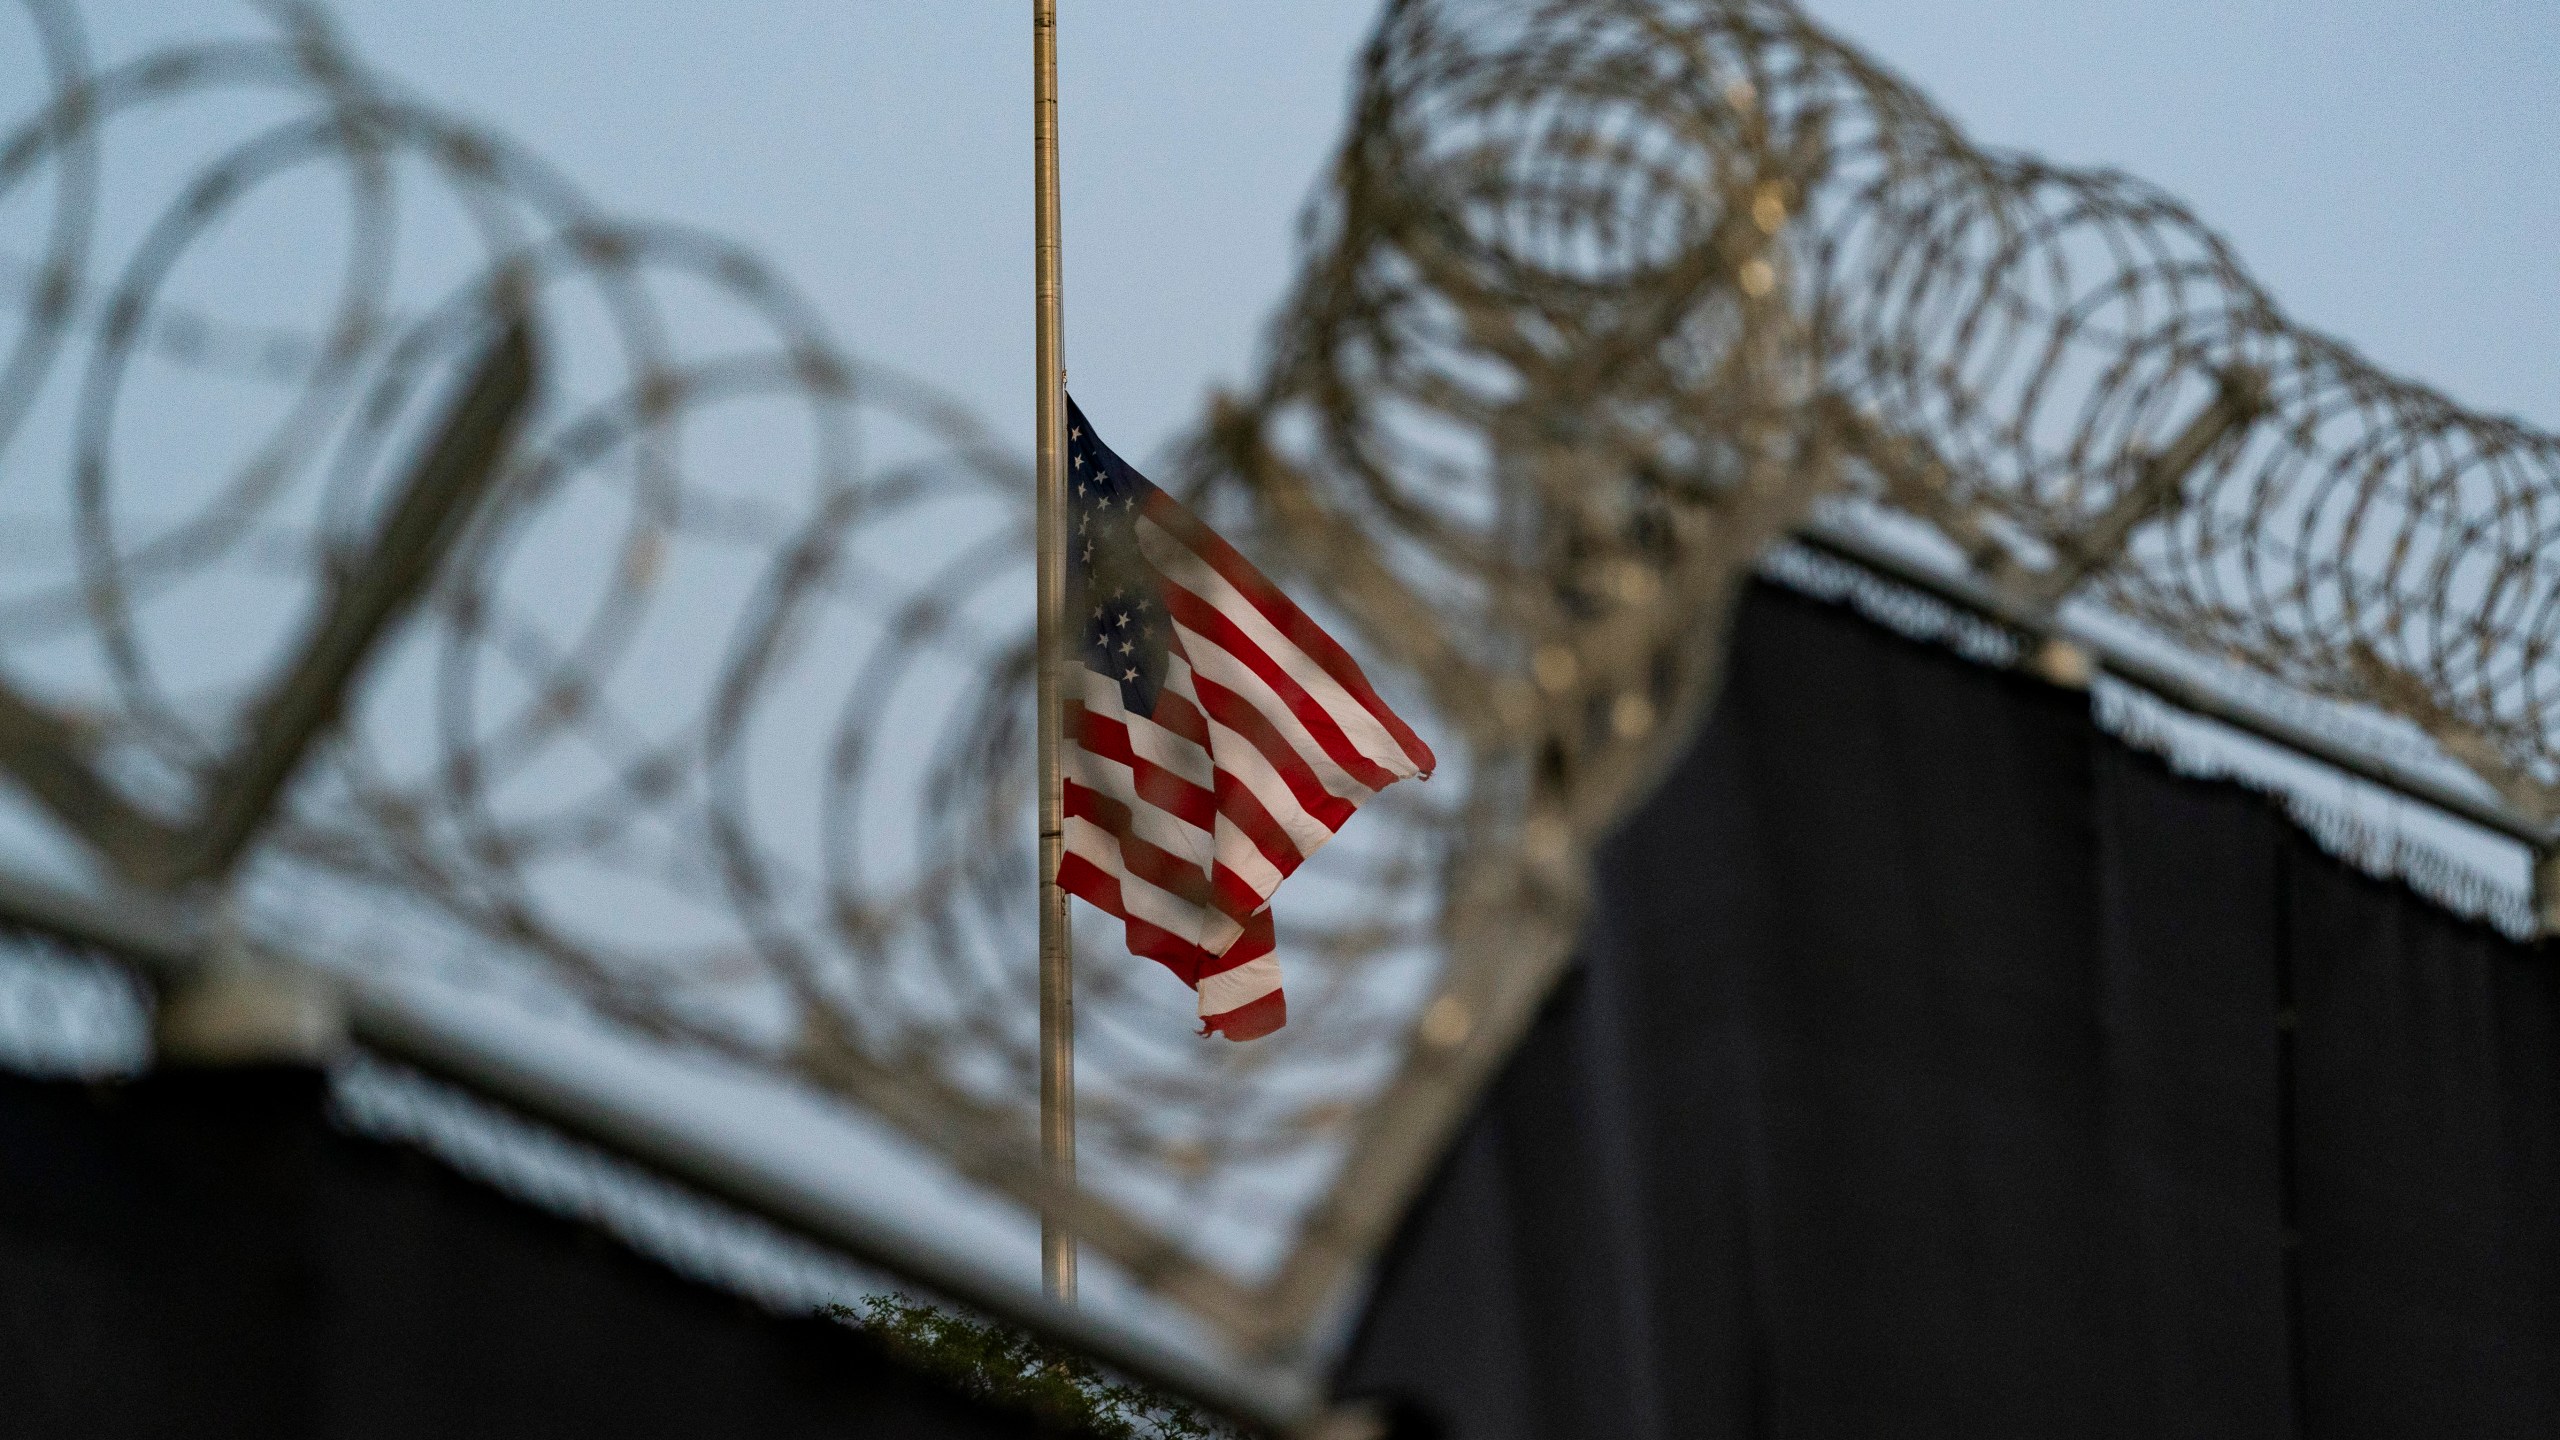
(1214, 737)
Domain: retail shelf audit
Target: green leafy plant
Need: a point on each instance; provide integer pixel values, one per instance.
(1011, 1369)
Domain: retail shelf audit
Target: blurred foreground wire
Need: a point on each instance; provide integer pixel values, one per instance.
(715, 723)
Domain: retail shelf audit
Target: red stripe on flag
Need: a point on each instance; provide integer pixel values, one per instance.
(1238, 899)
(1090, 883)
(1237, 714)
(1174, 953)
(1235, 799)
(1243, 809)
(1249, 1021)
(1180, 716)
(1257, 941)
(1205, 621)
(1179, 876)
(1175, 794)
(1262, 1014)
(1287, 618)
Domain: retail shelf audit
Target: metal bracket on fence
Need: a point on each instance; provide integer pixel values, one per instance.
(238, 1005)
(441, 494)
(2157, 491)
(47, 753)
(2546, 891)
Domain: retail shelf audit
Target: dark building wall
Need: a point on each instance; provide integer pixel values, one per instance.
(200, 1254)
(1939, 1066)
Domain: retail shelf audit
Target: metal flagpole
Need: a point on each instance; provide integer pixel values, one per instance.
(1057, 959)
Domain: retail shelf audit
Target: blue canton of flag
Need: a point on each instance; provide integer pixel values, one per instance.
(1125, 629)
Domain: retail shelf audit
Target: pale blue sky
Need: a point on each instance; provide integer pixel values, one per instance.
(2387, 167)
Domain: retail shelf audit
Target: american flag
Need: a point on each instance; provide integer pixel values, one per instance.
(1214, 738)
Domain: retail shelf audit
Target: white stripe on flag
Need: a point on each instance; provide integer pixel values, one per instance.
(1239, 757)
(1186, 568)
(1148, 739)
(1248, 982)
(1218, 667)
(1161, 828)
(1209, 929)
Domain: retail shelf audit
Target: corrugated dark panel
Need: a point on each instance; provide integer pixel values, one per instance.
(1928, 1074)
